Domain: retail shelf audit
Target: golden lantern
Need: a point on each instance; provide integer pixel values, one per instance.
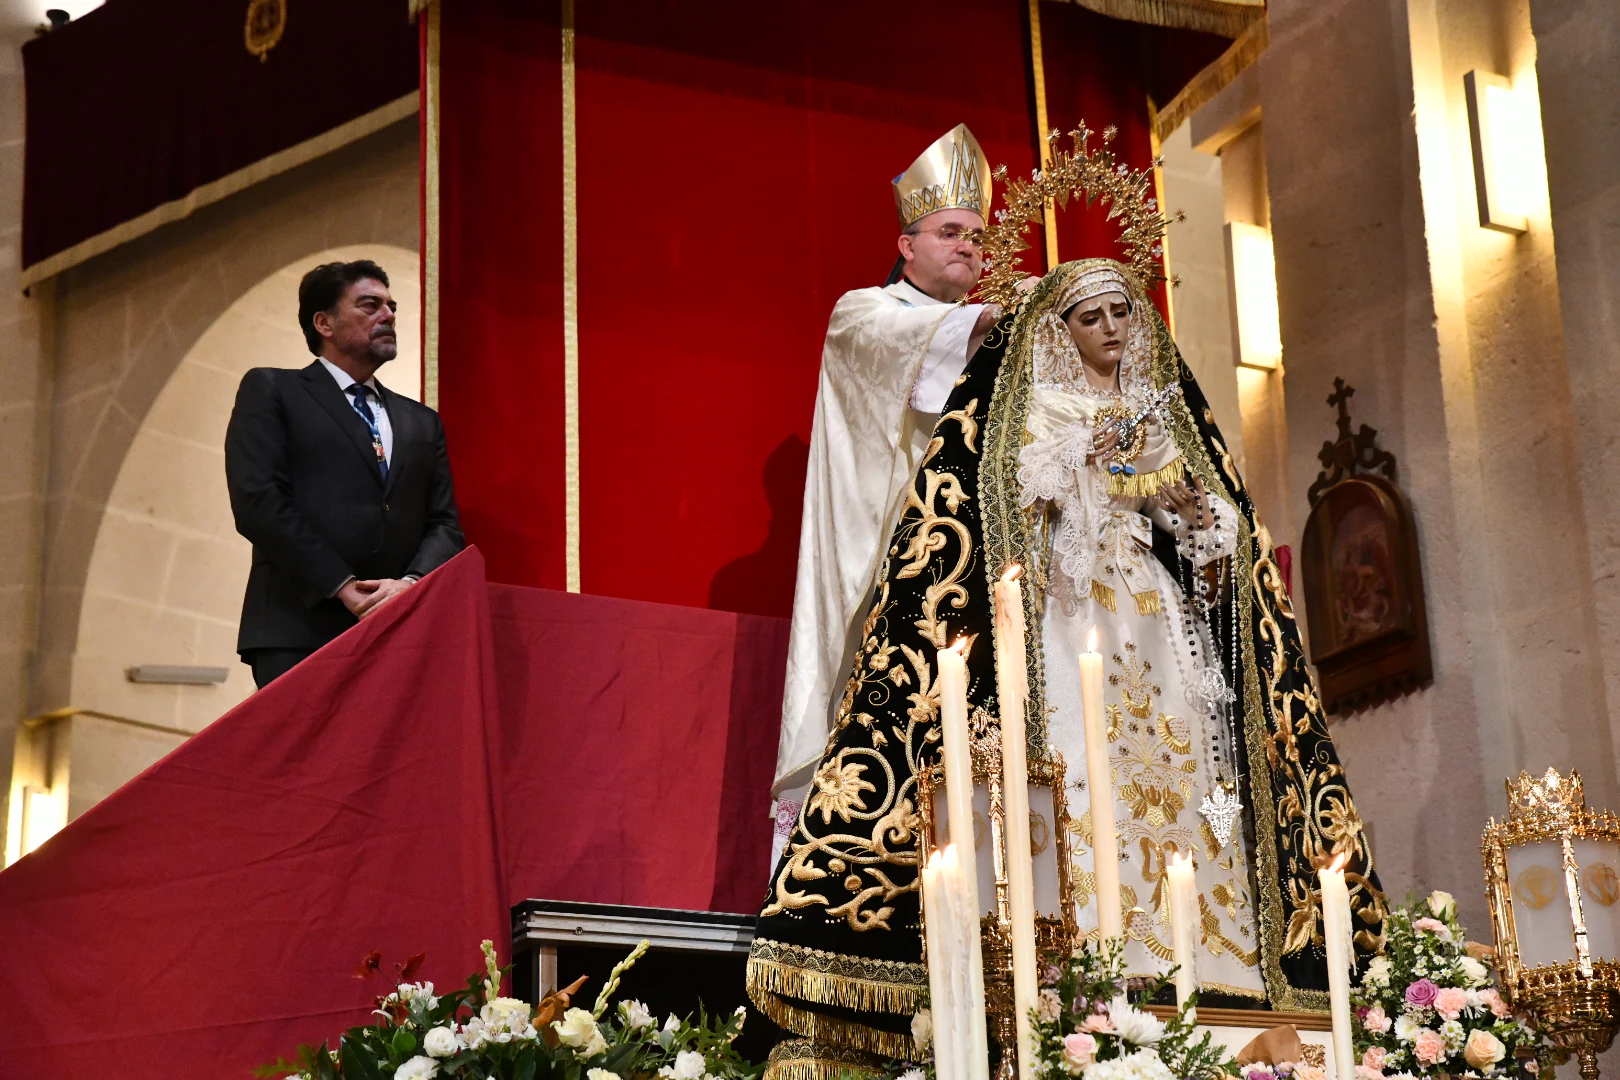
(1552, 879)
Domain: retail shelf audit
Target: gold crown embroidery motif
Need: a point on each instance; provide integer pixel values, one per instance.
(952, 174)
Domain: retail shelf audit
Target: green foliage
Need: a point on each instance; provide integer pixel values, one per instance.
(469, 1035)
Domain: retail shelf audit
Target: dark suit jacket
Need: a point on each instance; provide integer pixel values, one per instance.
(307, 492)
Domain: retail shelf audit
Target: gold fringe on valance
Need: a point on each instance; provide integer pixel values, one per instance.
(1217, 76)
(807, 1059)
(1228, 18)
(1145, 485)
(778, 972)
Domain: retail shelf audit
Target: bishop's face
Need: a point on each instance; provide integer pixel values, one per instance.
(944, 253)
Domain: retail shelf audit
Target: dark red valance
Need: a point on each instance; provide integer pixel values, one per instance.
(142, 102)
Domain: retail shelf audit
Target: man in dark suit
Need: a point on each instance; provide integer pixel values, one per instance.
(342, 486)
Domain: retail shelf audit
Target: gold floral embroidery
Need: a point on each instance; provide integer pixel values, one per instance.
(838, 786)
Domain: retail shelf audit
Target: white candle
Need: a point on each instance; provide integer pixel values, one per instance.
(1100, 781)
(958, 752)
(1336, 932)
(1011, 686)
(936, 936)
(1183, 889)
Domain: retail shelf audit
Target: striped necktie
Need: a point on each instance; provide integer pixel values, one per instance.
(359, 392)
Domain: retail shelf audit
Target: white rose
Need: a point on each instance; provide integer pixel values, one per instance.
(441, 1042)
(636, 1015)
(577, 1029)
(1483, 1049)
(418, 1068)
(689, 1065)
(1473, 971)
(601, 1074)
(1443, 904)
(507, 1014)
(922, 1029)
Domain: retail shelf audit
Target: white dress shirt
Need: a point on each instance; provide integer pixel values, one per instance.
(385, 430)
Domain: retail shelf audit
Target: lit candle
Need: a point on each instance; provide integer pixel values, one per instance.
(1336, 932)
(1100, 781)
(1183, 889)
(936, 936)
(1011, 686)
(953, 711)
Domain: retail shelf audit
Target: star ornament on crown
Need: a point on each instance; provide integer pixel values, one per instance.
(1099, 177)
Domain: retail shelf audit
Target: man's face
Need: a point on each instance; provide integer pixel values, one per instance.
(944, 253)
(361, 324)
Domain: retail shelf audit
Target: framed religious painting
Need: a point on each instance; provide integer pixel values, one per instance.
(1363, 582)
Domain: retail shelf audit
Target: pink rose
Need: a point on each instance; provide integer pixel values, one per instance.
(1376, 1020)
(1433, 926)
(1450, 1002)
(1422, 993)
(1079, 1049)
(1374, 1058)
(1096, 1022)
(1493, 1000)
(1429, 1047)
(1364, 1073)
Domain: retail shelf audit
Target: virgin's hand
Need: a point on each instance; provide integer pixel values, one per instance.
(1191, 503)
(1104, 441)
(1027, 284)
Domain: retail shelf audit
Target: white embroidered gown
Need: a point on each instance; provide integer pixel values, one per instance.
(1102, 573)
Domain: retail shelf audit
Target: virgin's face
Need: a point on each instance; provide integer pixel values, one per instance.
(1100, 327)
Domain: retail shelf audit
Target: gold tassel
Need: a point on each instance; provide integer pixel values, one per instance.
(1147, 603)
(1146, 485)
(822, 988)
(1103, 595)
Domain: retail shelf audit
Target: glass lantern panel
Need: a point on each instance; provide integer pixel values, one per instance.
(1600, 895)
(1540, 904)
(1043, 846)
(984, 849)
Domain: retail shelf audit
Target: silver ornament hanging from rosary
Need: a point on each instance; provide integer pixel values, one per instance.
(1221, 808)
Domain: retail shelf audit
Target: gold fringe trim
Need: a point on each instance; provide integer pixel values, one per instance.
(1211, 81)
(1145, 485)
(807, 1059)
(1147, 603)
(823, 988)
(1104, 595)
(1228, 18)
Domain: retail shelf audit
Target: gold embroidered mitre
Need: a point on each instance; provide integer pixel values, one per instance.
(950, 175)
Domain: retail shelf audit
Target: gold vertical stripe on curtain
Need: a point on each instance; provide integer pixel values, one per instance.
(1037, 75)
(570, 304)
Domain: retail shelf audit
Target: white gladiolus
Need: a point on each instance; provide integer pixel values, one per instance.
(418, 1068)
(636, 1015)
(442, 1042)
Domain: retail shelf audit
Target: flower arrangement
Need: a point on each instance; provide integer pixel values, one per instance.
(1426, 1005)
(475, 1034)
(1085, 1026)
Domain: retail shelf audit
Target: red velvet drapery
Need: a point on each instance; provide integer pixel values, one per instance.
(733, 165)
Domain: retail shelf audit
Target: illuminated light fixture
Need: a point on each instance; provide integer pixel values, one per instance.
(1501, 125)
(44, 815)
(1252, 279)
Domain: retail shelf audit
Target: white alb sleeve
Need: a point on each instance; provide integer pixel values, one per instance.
(945, 360)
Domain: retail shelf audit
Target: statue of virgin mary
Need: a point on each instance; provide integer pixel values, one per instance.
(1077, 445)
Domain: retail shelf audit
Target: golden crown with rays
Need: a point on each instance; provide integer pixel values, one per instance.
(1101, 178)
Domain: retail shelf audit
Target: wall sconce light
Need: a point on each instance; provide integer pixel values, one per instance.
(1252, 283)
(1500, 123)
(44, 815)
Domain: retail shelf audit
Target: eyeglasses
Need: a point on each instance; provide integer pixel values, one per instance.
(955, 234)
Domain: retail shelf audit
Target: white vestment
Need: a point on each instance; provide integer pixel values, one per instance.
(891, 358)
